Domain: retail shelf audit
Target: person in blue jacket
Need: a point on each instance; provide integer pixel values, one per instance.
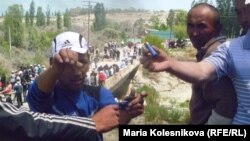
(60, 90)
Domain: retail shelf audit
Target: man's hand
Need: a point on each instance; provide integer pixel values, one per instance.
(157, 64)
(65, 57)
(134, 108)
(106, 118)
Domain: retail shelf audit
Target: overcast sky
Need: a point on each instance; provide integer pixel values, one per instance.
(61, 5)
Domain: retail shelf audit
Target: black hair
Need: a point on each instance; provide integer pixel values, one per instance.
(213, 9)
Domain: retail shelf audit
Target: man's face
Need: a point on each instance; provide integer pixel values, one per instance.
(73, 75)
(201, 26)
(242, 12)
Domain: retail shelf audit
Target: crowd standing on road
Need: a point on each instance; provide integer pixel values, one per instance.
(111, 62)
(15, 88)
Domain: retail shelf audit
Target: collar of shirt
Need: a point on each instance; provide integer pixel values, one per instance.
(213, 40)
(246, 40)
(204, 49)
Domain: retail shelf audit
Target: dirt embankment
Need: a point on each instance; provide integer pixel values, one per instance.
(168, 86)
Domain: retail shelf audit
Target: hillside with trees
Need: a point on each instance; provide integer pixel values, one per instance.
(25, 36)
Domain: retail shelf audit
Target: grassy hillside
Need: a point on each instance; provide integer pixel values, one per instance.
(118, 23)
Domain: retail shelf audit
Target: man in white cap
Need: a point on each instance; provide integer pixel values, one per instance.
(60, 90)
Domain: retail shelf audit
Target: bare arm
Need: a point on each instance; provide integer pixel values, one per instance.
(188, 71)
(193, 72)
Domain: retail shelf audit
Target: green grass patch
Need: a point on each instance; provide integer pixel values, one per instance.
(154, 113)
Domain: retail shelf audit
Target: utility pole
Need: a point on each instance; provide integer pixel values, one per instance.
(9, 42)
(89, 8)
(88, 20)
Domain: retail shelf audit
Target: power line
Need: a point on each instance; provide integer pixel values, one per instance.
(89, 5)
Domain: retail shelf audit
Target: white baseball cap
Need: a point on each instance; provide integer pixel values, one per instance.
(247, 2)
(71, 40)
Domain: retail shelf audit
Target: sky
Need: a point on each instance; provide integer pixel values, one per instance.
(62, 5)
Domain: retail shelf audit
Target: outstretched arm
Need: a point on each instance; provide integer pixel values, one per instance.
(188, 71)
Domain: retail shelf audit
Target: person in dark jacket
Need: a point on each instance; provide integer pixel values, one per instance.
(18, 88)
(21, 125)
(208, 104)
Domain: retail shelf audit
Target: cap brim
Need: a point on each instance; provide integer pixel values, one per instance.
(79, 49)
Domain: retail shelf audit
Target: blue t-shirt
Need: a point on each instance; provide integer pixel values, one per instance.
(75, 103)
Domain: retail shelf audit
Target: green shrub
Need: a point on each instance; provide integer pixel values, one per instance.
(154, 113)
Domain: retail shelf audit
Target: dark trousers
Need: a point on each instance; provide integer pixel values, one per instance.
(19, 99)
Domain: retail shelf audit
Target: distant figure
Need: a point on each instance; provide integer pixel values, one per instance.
(18, 88)
(7, 92)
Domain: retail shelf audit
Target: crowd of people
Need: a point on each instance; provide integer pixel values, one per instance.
(59, 100)
(111, 63)
(15, 87)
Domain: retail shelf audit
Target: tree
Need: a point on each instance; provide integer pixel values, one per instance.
(67, 19)
(235, 25)
(163, 27)
(48, 16)
(40, 18)
(59, 20)
(155, 21)
(40, 40)
(228, 17)
(110, 33)
(180, 18)
(13, 21)
(100, 17)
(139, 29)
(27, 18)
(32, 13)
(193, 3)
(177, 22)
(154, 40)
(170, 19)
(180, 31)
